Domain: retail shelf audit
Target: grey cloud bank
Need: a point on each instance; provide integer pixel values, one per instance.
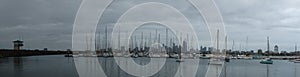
(48, 23)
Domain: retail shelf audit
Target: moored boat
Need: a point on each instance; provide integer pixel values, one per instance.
(266, 61)
(68, 55)
(227, 59)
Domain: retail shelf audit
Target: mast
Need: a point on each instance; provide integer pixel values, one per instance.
(106, 38)
(232, 45)
(166, 36)
(142, 37)
(91, 41)
(240, 49)
(86, 40)
(155, 36)
(99, 41)
(217, 40)
(225, 56)
(246, 48)
(135, 41)
(119, 46)
(145, 43)
(150, 40)
(187, 42)
(132, 42)
(295, 47)
(159, 38)
(225, 45)
(268, 46)
(96, 41)
(180, 47)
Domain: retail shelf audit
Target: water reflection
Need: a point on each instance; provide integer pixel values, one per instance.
(168, 70)
(18, 63)
(59, 66)
(18, 66)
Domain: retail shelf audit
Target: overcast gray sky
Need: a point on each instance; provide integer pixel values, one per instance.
(49, 23)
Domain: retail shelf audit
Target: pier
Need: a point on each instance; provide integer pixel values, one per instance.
(20, 53)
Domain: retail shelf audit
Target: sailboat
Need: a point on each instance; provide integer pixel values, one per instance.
(267, 60)
(215, 64)
(226, 56)
(69, 54)
(295, 60)
(179, 59)
(216, 60)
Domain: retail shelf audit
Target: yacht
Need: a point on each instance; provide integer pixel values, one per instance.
(267, 60)
(217, 59)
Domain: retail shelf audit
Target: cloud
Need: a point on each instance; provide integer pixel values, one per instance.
(48, 23)
(41, 23)
(258, 19)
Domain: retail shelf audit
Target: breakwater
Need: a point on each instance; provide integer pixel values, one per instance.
(18, 53)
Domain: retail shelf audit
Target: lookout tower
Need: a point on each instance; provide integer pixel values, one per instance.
(18, 44)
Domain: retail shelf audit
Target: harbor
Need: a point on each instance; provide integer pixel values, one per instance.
(149, 38)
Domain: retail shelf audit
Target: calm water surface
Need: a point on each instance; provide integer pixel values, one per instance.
(60, 66)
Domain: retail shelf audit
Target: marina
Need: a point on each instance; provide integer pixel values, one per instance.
(149, 38)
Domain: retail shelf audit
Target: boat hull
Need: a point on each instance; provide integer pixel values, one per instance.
(266, 62)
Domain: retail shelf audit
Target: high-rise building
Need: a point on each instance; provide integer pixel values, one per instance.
(184, 47)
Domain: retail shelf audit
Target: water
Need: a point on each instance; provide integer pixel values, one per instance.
(60, 66)
(37, 66)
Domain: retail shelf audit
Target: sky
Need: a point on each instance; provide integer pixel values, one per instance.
(49, 23)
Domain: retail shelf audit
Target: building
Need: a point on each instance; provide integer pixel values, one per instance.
(184, 46)
(276, 49)
(18, 44)
(259, 51)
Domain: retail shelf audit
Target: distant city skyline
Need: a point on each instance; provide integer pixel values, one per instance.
(48, 23)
